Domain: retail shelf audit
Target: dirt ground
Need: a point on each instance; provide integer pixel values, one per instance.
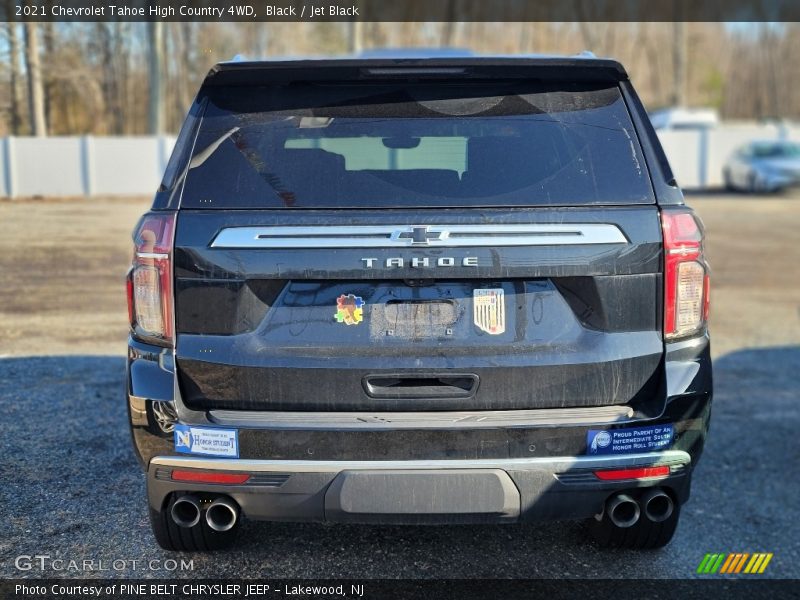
(62, 264)
(754, 252)
(62, 270)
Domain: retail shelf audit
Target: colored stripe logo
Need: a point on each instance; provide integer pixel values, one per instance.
(735, 562)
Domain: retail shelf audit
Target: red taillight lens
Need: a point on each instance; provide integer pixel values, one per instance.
(686, 281)
(129, 293)
(201, 477)
(637, 473)
(150, 278)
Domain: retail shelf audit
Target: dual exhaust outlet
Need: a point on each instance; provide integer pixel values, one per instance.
(624, 511)
(220, 515)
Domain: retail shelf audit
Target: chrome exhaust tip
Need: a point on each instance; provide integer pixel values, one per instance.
(221, 515)
(622, 510)
(185, 511)
(658, 506)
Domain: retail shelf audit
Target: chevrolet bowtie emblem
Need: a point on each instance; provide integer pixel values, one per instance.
(419, 235)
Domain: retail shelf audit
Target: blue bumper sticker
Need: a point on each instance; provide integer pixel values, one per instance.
(207, 441)
(629, 441)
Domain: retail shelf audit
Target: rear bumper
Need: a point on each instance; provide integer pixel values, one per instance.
(412, 468)
(776, 181)
(421, 491)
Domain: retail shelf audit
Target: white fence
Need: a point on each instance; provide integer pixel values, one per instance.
(698, 156)
(93, 166)
(82, 166)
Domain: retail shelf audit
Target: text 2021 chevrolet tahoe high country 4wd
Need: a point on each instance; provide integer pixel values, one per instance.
(436, 290)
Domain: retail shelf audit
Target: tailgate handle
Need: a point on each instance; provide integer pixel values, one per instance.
(436, 385)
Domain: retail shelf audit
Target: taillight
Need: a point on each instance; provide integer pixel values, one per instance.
(150, 277)
(686, 280)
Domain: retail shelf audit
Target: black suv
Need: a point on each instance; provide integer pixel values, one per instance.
(438, 290)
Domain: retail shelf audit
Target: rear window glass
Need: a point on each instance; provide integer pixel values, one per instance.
(370, 145)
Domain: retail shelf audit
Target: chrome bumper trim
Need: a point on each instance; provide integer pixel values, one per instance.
(555, 464)
(422, 419)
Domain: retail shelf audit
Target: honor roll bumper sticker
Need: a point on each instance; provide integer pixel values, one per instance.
(211, 442)
(489, 310)
(630, 440)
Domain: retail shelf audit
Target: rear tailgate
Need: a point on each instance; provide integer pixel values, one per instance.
(264, 327)
(482, 237)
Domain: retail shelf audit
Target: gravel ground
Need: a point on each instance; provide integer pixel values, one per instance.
(72, 490)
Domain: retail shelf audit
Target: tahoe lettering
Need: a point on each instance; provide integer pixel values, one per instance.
(421, 262)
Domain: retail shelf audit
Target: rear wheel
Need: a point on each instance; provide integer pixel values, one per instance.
(643, 535)
(753, 184)
(728, 181)
(198, 538)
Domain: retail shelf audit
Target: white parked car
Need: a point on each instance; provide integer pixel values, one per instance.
(763, 166)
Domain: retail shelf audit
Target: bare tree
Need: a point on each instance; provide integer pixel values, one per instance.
(591, 36)
(679, 63)
(449, 25)
(35, 89)
(261, 41)
(155, 69)
(49, 36)
(15, 77)
(590, 29)
(111, 78)
(113, 54)
(355, 39)
(773, 88)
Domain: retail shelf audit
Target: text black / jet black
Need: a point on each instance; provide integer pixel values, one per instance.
(436, 290)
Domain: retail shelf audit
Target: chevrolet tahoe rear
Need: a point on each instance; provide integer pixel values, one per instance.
(424, 291)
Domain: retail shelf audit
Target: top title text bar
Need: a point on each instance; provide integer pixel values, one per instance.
(402, 10)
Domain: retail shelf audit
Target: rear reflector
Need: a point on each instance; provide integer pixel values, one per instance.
(636, 473)
(207, 477)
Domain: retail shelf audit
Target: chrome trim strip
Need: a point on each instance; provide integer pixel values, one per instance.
(600, 415)
(556, 464)
(406, 236)
(160, 255)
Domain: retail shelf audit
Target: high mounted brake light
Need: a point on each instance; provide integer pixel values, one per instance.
(150, 278)
(686, 279)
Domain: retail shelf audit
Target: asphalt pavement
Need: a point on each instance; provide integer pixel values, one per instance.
(72, 491)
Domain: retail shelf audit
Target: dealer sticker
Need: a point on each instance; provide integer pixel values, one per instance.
(630, 440)
(211, 442)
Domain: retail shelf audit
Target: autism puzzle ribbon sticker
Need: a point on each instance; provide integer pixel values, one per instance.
(349, 309)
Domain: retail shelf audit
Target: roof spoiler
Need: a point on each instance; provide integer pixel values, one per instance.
(582, 67)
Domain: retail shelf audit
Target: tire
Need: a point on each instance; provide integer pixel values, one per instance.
(727, 181)
(644, 535)
(200, 538)
(752, 184)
